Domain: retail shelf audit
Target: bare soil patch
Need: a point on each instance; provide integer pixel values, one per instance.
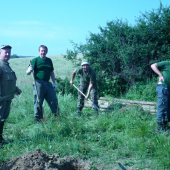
(37, 160)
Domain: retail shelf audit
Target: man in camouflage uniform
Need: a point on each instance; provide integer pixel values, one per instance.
(87, 81)
(7, 87)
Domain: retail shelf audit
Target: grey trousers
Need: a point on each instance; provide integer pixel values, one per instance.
(45, 91)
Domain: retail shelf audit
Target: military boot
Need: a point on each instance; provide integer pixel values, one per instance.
(2, 141)
(37, 120)
(165, 125)
(79, 111)
(160, 127)
(96, 111)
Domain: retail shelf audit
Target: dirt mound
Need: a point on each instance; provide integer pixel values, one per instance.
(37, 160)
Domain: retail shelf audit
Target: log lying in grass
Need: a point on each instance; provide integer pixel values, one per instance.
(104, 104)
(128, 101)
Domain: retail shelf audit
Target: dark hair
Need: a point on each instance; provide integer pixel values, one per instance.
(43, 46)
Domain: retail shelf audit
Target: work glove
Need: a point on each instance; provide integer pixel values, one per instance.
(54, 85)
(30, 68)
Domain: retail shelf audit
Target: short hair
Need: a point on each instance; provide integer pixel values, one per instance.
(43, 46)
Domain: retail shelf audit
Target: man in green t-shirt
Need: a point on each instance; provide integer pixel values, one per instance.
(87, 81)
(162, 69)
(43, 70)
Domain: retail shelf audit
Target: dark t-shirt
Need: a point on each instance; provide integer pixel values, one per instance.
(85, 79)
(164, 67)
(42, 68)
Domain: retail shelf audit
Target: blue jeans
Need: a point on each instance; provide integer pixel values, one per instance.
(162, 105)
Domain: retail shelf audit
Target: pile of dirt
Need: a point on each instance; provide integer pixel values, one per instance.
(37, 160)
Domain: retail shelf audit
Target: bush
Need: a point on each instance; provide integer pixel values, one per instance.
(144, 92)
(126, 51)
(64, 87)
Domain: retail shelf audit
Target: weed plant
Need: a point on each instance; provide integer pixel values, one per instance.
(126, 136)
(144, 91)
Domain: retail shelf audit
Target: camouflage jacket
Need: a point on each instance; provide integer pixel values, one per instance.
(7, 79)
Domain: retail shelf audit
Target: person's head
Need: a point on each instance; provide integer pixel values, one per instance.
(43, 50)
(85, 65)
(5, 52)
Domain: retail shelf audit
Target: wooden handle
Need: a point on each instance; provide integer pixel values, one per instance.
(88, 98)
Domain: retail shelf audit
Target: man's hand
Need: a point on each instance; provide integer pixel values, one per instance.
(71, 82)
(54, 85)
(161, 78)
(19, 91)
(87, 97)
(30, 68)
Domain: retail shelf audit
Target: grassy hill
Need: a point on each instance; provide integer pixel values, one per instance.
(128, 136)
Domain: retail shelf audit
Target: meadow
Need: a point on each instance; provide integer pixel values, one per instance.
(128, 137)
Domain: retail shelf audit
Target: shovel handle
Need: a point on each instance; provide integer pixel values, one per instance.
(88, 98)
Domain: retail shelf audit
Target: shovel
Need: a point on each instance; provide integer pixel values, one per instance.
(88, 99)
(40, 106)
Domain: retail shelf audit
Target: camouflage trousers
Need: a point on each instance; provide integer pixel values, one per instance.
(93, 94)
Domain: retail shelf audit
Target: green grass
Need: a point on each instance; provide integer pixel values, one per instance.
(125, 136)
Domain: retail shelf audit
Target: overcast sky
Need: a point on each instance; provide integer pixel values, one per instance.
(25, 25)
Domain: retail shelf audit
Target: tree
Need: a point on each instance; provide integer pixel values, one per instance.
(122, 54)
(14, 56)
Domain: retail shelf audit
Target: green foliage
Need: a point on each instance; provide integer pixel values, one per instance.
(64, 87)
(126, 51)
(143, 91)
(14, 56)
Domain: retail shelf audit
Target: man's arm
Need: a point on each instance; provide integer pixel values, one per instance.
(18, 90)
(89, 90)
(52, 76)
(156, 70)
(72, 77)
(53, 79)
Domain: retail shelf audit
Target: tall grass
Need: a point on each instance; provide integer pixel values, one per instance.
(128, 136)
(143, 91)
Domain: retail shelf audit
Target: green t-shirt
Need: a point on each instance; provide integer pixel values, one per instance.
(164, 67)
(85, 79)
(42, 68)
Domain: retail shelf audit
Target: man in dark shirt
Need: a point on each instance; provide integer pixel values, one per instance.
(7, 87)
(87, 81)
(43, 70)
